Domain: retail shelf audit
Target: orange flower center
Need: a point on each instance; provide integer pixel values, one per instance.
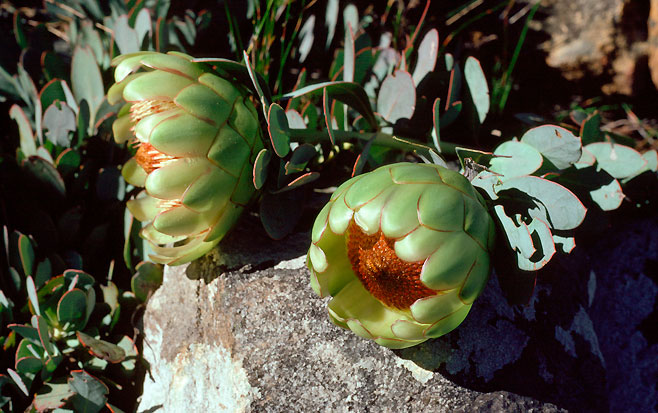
(394, 282)
(150, 158)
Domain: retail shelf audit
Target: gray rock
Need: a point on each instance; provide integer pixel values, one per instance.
(260, 340)
(241, 331)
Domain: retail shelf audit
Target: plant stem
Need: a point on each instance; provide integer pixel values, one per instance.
(380, 138)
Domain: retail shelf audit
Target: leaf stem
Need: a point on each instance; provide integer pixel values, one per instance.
(379, 138)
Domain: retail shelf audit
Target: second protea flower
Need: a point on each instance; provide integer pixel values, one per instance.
(196, 135)
(403, 251)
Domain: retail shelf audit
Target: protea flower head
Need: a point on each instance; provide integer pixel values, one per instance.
(403, 251)
(196, 135)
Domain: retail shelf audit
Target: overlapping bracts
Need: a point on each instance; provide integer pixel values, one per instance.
(403, 251)
(196, 135)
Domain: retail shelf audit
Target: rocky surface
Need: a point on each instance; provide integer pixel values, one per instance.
(608, 39)
(243, 332)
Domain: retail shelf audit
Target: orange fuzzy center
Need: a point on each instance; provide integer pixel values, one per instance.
(150, 158)
(394, 282)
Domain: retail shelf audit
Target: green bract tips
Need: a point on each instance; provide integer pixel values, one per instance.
(196, 135)
(403, 251)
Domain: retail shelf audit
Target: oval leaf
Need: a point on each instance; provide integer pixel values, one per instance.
(87, 82)
(618, 160)
(563, 209)
(427, 54)
(101, 348)
(557, 144)
(477, 86)
(72, 309)
(397, 97)
(260, 168)
(147, 279)
(609, 197)
(514, 158)
(277, 125)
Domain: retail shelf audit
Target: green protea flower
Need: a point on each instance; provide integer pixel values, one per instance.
(403, 251)
(196, 135)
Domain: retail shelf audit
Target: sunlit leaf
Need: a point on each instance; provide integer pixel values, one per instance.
(618, 160)
(427, 54)
(514, 158)
(397, 97)
(558, 206)
(477, 85)
(59, 121)
(27, 142)
(609, 197)
(87, 81)
(557, 144)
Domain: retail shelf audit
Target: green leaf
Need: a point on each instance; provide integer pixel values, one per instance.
(53, 395)
(78, 278)
(300, 158)
(53, 66)
(351, 94)
(27, 332)
(90, 392)
(147, 279)
(397, 97)
(27, 141)
(451, 114)
(43, 272)
(525, 238)
(436, 131)
(557, 144)
(87, 82)
(125, 36)
(299, 181)
(19, 33)
(556, 204)
(477, 86)
(427, 54)
(20, 381)
(331, 18)
(514, 158)
(326, 109)
(51, 92)
(609, 197)
(59, 121)
(101, 348)
(618, 160)
(28, 358)
(349, 53)
(46, 173)
(260, 168)
(26, 254)
(240, 72)
(277, 126)
(44, 335)
(72, 309)
(590, 131)
(32, 295)
(68, 162)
